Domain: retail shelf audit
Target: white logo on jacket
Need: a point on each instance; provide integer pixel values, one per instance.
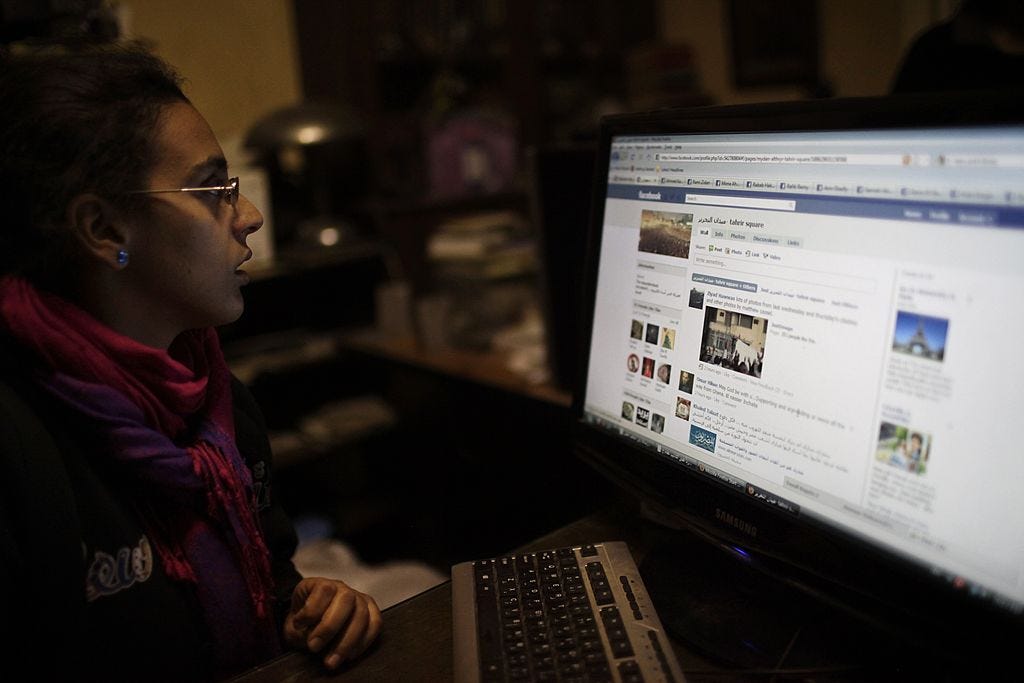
(109, 574)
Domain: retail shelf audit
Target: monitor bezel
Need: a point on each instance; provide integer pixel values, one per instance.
(885, 590)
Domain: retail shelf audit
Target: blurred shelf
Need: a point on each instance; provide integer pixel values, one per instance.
(291, 263)
(489, 368)
(331, 427)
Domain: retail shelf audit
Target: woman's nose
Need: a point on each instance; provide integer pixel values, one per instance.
(248, 218)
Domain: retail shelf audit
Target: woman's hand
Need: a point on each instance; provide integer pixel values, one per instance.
(328, 617)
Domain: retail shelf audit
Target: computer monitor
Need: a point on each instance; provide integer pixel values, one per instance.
(802, 347)
(561, 180)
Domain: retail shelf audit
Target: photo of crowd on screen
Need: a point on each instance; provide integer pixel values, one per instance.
(735, 341)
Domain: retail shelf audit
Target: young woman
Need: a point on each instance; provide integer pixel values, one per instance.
(139, 533)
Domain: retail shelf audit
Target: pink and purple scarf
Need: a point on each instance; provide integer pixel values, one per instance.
(165, 420)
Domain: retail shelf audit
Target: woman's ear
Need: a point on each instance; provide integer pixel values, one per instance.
(99, 228)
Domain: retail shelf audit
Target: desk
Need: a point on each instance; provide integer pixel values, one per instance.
(415, 645)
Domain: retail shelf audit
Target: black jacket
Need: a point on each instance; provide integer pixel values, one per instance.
(59, 511)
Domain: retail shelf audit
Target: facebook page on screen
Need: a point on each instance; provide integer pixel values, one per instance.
(830, 322)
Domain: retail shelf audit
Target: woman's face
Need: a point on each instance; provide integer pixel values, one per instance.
(187, 248)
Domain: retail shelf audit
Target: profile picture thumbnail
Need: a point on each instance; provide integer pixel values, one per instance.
(666, 232)
(636, 329)
(668, 338)
(643, 416)
(652, 333)
(664, 373)
(657, 423)
(682, 408)
(633, 362)
(648, 368)
(686, 381)
(903, 448)
(920, 335)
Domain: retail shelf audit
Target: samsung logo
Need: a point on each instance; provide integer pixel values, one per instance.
(735, 522)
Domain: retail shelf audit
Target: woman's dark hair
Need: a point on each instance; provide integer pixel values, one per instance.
(72, 122)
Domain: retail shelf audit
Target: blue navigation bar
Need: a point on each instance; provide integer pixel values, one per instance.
(950, 213)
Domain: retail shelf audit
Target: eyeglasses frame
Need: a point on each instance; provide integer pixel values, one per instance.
(229, 193)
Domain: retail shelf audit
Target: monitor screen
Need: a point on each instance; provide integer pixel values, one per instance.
(801, 342)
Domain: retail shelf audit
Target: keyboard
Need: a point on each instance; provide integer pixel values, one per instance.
(578, 614)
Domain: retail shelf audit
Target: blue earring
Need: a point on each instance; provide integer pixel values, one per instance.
(122, 257)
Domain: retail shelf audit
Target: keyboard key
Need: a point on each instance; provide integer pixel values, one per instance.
(621, 647)
(629, 671)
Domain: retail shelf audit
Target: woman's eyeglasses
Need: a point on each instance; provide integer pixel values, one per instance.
(229, 192)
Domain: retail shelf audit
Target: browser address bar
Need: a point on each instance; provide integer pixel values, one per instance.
(786, 158)
(742, 202)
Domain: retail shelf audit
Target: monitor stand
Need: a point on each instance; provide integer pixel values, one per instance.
(722, 606)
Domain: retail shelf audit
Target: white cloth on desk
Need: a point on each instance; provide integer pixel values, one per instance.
(388, 583)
